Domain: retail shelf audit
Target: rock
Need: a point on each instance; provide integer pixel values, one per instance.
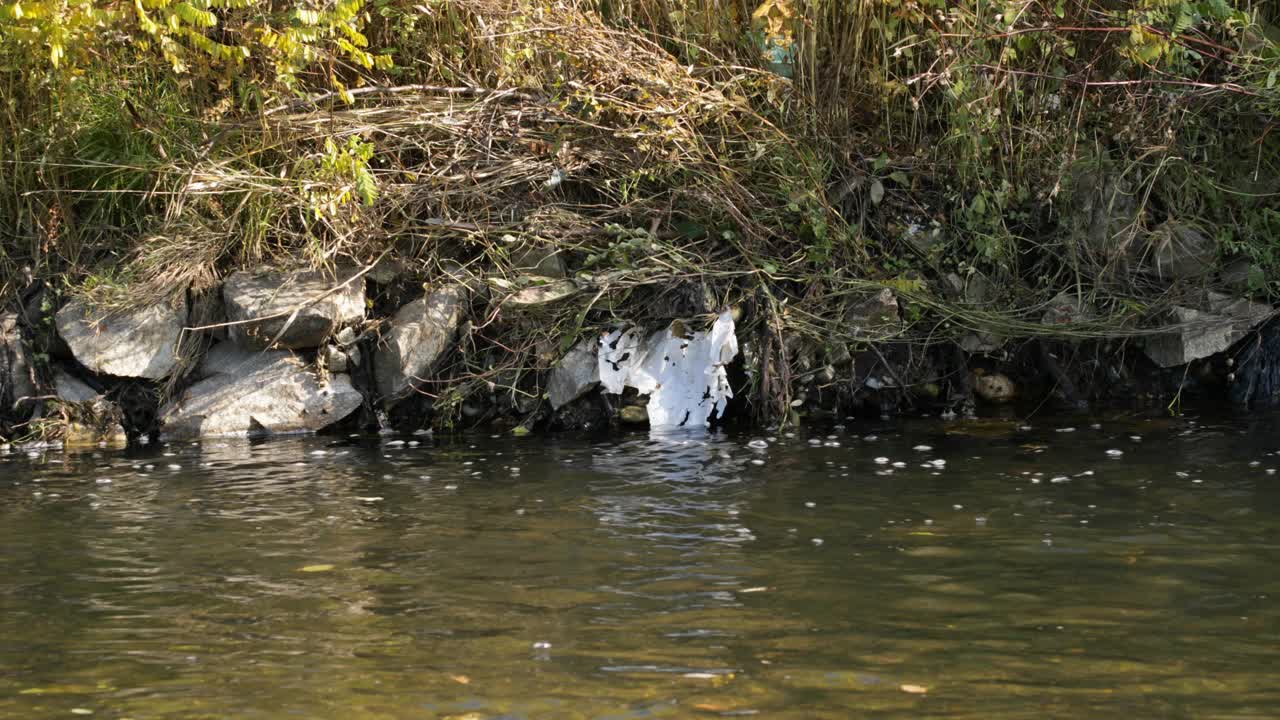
(72, 389)
(15, 365)
(1204, 332)
(387, 270)
(277, 295)
(1243, 276)
(1067, 307)
(1103, 212)
(420, 335)
(139, 342)
(877, 315)
(574, 375)
(228, 358)
(271, 393)
(532, 259)
(1179, 251)
(974, 290)
(335, 359)
(83, 435)
(634, 415)
(995, 388)
(977, 343)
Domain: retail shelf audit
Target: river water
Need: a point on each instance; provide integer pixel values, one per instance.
(1001, 571)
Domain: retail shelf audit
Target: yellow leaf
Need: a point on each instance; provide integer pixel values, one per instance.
(915, 689)
(315, 568)
(460, 679)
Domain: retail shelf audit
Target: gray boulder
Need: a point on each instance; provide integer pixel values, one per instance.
(15, 366)
(268, 394)
(875, 316)
(420, 334)
(574, 375)
(299, 309)
(1201, 332)
(228, 358)
(72, 389)
(139, 342)
(1178, 251)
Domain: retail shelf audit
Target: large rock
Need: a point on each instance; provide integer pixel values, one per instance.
(270, 393)
(1199, 333)
(420, 334)
(15, 366)
(1179, 251)
(139, 342)
(1066, 308)
(228, 358)
(72, 389)
(874, 316)
(299, 309)
(575, 374)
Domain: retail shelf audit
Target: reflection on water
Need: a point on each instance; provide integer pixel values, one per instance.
(974, 570)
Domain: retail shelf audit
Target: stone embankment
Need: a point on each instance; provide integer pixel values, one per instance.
(277, 351)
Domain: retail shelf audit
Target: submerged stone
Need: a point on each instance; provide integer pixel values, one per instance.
(137, 342)
(299, 309)
(271, 393)
(420, 335)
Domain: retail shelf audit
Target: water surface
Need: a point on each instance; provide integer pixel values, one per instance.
(998, 573)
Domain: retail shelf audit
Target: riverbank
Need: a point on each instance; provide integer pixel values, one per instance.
(234, 220)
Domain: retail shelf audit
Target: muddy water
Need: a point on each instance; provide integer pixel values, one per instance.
(995, 572)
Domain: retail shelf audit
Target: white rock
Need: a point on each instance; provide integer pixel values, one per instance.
(420, 335)
(303, 308)
(269, 394)
(138, 342)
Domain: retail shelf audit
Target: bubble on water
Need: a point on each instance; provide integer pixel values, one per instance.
(757, 461)
(831, 443)
(451, 486)
(1096, 426)
(817, 541)
(832, 437)
(520, 511)
(870, 438)
(882, 461)
(1136, 438)
(1060, 479)
(318, 452)
(1024, 428)
(394, 443)
(175, 467)
(103, 481)
(1115, 453)
(1182, 474)
(922, 448)
(815, 442)
(758, 444)
(1254, 463)
(958, 507)
(899, 464)
(938, 462)
(542, 645)
(811, 504)
(980, 521)
(1065, 429)
(1035, 481)
(1271, 471)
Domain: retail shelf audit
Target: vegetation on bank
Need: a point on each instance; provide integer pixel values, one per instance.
(789, 156)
